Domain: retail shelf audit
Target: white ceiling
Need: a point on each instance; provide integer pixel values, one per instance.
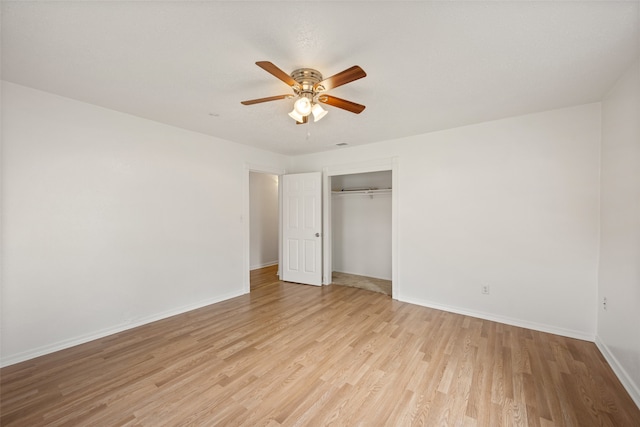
(430, 65)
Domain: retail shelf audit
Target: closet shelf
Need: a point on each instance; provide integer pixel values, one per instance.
(363, 191)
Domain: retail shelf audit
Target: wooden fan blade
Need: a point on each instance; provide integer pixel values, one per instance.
(342, 78)
(277, 72)
(305, 119)
(271, 98)
(341, 103)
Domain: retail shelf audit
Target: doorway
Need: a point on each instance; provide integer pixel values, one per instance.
(361, 218)
(303, 253)
(261, 223)
(264, 212)
(386, 165)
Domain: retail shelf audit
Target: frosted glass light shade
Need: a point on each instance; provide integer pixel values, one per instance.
(318, 112)
(302, 106)
(295, 116)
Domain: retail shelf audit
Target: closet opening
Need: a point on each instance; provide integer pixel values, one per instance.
(361, 230)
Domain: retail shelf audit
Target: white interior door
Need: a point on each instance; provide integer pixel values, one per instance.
(302, 228)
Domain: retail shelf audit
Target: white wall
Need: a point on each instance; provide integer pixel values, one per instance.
(619, 275)
(511, 203)
(110, 221)
(263, 190)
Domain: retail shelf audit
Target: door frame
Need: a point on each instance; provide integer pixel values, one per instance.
(246, 220)
(348, 169)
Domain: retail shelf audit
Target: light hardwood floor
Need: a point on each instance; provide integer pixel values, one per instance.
(289, 354)
(362, 282)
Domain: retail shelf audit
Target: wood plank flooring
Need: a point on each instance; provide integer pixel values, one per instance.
(298, 355)
(362, 282)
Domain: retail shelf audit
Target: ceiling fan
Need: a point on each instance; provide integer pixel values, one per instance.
(309, 87)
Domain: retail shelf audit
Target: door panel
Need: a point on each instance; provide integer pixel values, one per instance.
(310, 257)
(293, 255)
(302, 228)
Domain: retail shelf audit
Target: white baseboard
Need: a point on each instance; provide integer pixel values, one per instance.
(263, 265)
(61, 345)
(506, 320)
(632, 388)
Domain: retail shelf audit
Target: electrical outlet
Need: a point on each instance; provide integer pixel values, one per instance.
(485, 289)
(604, 303)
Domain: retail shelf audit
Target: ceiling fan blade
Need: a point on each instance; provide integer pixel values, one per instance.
(271, 98)
(277, 72)
(305, 119)
(341, 103)
(342, 78)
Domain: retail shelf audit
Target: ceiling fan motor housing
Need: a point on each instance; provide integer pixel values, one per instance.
(307, 78)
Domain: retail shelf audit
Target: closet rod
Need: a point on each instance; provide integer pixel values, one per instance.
(365, 191)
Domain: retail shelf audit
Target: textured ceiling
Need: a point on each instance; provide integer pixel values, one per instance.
(430, 65)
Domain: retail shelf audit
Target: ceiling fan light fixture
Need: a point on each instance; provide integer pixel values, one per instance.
(318, 112)
(302, 106)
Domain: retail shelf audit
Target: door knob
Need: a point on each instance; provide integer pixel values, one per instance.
(317, 234)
